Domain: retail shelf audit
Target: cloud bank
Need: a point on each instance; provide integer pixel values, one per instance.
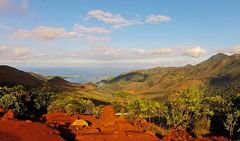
(44, 33)
(195, 52)
(8, 52)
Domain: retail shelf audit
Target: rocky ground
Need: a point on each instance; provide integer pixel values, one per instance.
(108, 127)
(15, 130)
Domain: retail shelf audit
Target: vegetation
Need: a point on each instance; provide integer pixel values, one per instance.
(72, 105)
(190, 110)
(25, 103)
(209, 104)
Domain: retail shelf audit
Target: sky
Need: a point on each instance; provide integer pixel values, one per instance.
(115, 33)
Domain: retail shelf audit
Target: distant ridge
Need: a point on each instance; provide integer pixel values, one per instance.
(12, 75)
(162, 81)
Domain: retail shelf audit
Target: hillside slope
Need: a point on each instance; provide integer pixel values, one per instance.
(10, 75)
(160, 82)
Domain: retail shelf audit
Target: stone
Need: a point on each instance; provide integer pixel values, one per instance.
(28, 121)
(9, 115)
(107, 130)
(79, 123)
(2, 111)
(90, 119)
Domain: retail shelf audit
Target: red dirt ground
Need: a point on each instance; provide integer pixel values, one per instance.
(107, 128)
(13, 130)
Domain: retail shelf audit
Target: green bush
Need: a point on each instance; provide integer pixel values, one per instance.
(202, 127)
(9, 101)
(188, 108)
(25, 103)
(72, 105)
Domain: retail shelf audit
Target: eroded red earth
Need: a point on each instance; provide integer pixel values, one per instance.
(60, 127)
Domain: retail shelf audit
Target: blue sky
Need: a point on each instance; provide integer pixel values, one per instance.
(123, 32)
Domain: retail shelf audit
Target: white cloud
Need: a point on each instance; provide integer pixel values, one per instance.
(153, 19)
(9, 52)
(44, 33)
(161, 51)
(195, 52)
(3, 49)
(236, 50)
(11, 6)
(82, 29)
(21, 51)
(98, 39)
(108, 53)
(109, 18)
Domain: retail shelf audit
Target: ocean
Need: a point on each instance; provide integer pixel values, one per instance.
(80, 74)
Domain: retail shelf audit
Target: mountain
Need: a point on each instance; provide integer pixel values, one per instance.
(161, 82)
(10, 75)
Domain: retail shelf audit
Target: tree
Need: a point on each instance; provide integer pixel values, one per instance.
(233, 115)
(231, 122)
(71, 105)
(188, 108)
(25, 102)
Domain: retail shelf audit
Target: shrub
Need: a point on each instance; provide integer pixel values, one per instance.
(25, 103)
(188, 108)
(9, 101)
(71, 105)
(202, 127)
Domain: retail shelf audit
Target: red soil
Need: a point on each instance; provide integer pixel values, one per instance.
(178, 135)
(107, 117)
(12, 130)
(106, 128)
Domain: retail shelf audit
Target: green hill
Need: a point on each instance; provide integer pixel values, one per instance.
(161, 82)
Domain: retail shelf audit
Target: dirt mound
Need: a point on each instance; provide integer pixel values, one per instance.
(107, 116)
(178, 135)
(106, 128)
(13, 130)
(54, 119)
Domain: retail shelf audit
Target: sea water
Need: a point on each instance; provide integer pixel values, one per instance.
(80, 74)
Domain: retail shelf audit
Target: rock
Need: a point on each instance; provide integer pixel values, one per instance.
(59, 118)
(89, 138)
(1, 111)
(91, 131)
(87, 131)
(28, 121)
(79, 123)
(107, 117)
(9, 115)
(90, 119)
(107, 130)
(123, 125)
(177, 135)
